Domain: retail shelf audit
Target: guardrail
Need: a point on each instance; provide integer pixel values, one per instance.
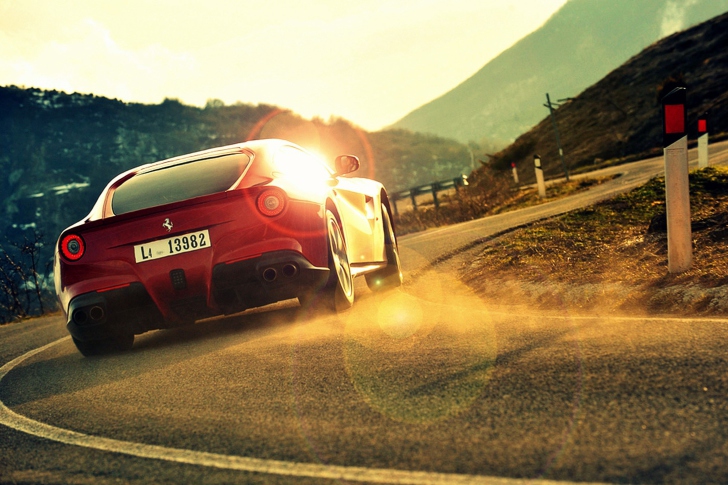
(432, 188)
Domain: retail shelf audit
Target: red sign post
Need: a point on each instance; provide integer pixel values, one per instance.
(677, 188)
(703, 143)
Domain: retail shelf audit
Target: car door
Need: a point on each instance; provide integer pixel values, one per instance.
(361, 208)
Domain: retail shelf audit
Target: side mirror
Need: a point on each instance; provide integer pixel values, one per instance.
(346, 164)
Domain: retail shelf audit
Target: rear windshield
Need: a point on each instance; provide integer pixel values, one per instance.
(179, 182)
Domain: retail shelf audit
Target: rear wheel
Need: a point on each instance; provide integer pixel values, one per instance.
(117, 343)
(338, 294)
(391, 275)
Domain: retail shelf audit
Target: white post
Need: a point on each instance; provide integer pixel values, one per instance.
(703, 151)
(539, 176)
(677, 195)
(515, 172)
(677, 186)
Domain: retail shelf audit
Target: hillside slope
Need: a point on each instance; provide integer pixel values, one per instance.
(621, 114)
(612, 257)
(579, 45)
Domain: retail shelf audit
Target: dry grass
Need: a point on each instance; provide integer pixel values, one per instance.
(613, 256)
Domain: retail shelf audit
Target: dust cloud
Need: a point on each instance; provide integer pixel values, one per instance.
(420, 358)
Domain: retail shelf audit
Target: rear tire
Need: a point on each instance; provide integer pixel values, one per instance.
(391, 275)
(117, 343)
(338, 293)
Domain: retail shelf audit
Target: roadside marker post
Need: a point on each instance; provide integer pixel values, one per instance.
(703, 143)
(515, 172)
(539, 176)
(677, 187)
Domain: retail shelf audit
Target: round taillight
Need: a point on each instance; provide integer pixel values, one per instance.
(73, 247)
(271, 202)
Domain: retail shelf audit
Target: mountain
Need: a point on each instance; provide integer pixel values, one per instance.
(58, 150)
(620, 117)
(577, 46)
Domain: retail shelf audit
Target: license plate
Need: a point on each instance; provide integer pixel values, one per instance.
(162, 248)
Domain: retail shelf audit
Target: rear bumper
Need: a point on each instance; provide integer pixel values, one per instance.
(96, 316)
(271, 277)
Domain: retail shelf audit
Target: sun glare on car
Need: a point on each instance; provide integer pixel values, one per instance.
(306, 175)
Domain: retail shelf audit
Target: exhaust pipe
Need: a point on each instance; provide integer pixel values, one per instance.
(290, 270)
(89, 315)
(80, 317)
(270, 275)
(96, 313)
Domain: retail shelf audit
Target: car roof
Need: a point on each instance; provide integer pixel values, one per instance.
(259, 148)
(255, 146)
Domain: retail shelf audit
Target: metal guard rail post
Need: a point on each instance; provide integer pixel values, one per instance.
(432, 188)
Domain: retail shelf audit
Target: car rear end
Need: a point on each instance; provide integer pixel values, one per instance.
(154, 261)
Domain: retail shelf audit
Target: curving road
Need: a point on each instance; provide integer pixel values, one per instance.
(422, 385)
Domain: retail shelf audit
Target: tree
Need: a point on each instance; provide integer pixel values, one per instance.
(23, 289)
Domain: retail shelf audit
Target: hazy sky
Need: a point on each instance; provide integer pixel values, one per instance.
(369, 61)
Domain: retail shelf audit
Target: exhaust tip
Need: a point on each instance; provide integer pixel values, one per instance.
(290, 270)
(80, 317)
(270, 275)
(96, 313)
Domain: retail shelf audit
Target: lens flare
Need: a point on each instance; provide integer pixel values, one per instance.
(420, 359)
(400, 316)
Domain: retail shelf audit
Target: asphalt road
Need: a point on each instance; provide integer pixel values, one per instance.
(420, 385)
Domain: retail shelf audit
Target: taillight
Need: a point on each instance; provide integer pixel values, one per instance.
(271, 202)
(72, 247)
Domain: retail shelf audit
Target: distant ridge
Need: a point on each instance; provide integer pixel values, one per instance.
(58, 150)
(577, 46)
(620, 117)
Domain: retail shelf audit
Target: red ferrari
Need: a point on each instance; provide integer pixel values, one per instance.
(217, 232)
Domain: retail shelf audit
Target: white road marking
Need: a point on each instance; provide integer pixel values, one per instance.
(608, 317)
(239, 463)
